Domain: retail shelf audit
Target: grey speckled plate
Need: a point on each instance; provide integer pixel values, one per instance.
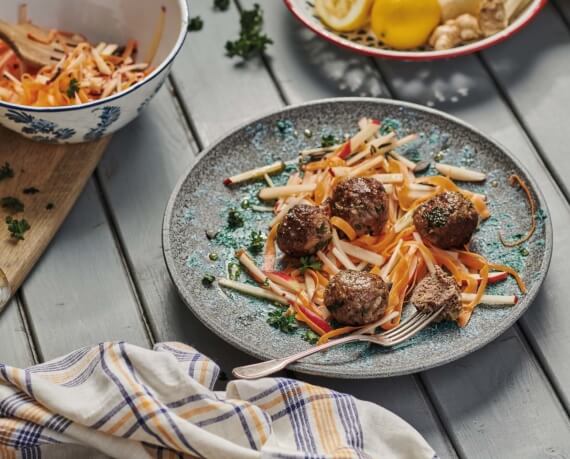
(201, 202)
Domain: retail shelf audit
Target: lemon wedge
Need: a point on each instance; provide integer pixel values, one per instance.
(343, 15)
(405, 24)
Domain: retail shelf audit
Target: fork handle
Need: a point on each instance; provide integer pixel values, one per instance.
(262, 369)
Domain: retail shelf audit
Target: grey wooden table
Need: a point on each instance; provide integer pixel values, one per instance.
(104, 277)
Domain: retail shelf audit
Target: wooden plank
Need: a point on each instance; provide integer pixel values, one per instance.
(299, 73)
(138, 173)
(15, 347)
(463, 88)
(203, 74)
(539, 93)
(60, 173)
(79, 293)
(533, 70)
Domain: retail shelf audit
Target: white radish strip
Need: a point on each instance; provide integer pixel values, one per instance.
(310, 286)
(336, 243)
(268, 194)
(363, 122)
(493, 277)
(328, 263)
(344, 260)
(405, 140)
(325, 313)
(110, 49)
(413, 267)
(316, 151)
(255, 173)
(420, 187)
(363, 135)
(428, 262)
(284, 280)
(497, 300)
(379, 146)
(268, 180)
(389, 178)
(251, 267)
(415, 195)
(358, 170)
(262, 208)
(389, 188)
(361, 266)
(283, 211)
(406, 220)
(340, 171)
(387, 269)
(405, 161)
(252, 290)
(362, 254)
(101, 64)
(372, 327)
(460, 173)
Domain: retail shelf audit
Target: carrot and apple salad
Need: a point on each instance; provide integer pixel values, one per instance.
(398, 254)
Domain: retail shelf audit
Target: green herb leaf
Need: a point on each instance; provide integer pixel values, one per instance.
(30, 190)
(221, 5)
(195, 24)
(328, 141)
(234, 271)
(6, 171)
(251, 41)
(310, 263)
(235, 219)
(12, 204)
(208, 280)
(50, 206)
(257, 241)
(277, 319)
(389, 125)
(311, 337)
(17, 228)
(73, 88)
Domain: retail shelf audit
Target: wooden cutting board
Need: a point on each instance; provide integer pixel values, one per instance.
(60, 173)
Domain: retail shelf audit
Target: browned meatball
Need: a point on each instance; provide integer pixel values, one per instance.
(447, 220)
(304, 231)
(356, 298)
(363, 203)
(437, 290)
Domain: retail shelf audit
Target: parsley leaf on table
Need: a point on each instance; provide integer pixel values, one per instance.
(221, 5)
(278, 319)
(251, 40)
(17, 228)
(328, 141)
(6, 171)
(12, 204)
(195, 24)
(311, 337)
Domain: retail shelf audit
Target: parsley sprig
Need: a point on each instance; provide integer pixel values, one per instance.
(17, 228)
(251, 40)
(73, 88)
(6, 171)
(221, 5)
(328, 141)
(195, 24)
(257, 241)
(12, 204)
(285, 323)
(310, 263)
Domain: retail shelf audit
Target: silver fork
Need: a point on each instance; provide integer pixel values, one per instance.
(401, 333)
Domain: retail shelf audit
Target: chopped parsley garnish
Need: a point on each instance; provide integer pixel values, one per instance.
(30, 190)
(12, 204)
(50, 206)
(328, 141)
(311, 337)
(310, 263)
(221, 5)
(245, 204)
(213, 256)
(17, 228)
(437, 217)
(208, 280)
(73, 88)
(6, 171)
(257, 241)
(235, 219)
(281, 126)
(389, 125)
(234, 271)
(195, 24)
(251, 41)
(277, 319)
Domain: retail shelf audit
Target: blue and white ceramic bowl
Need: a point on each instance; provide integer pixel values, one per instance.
(111, 21)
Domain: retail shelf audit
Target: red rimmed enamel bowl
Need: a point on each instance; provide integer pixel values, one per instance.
(364, 42)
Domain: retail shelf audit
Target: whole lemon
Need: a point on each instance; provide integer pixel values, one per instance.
(405, 24)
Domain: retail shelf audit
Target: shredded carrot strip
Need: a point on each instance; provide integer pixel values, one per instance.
(468, 309)
(336, 332)
(396, 296)
(344, 226)
(513, 180)
(270, 250)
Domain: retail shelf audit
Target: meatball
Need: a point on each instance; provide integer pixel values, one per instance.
(437, 290)
(356, 298)
(363, 203)
(448, 220)
(304, 231)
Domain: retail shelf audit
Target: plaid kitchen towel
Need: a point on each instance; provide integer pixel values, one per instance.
(130, 402)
